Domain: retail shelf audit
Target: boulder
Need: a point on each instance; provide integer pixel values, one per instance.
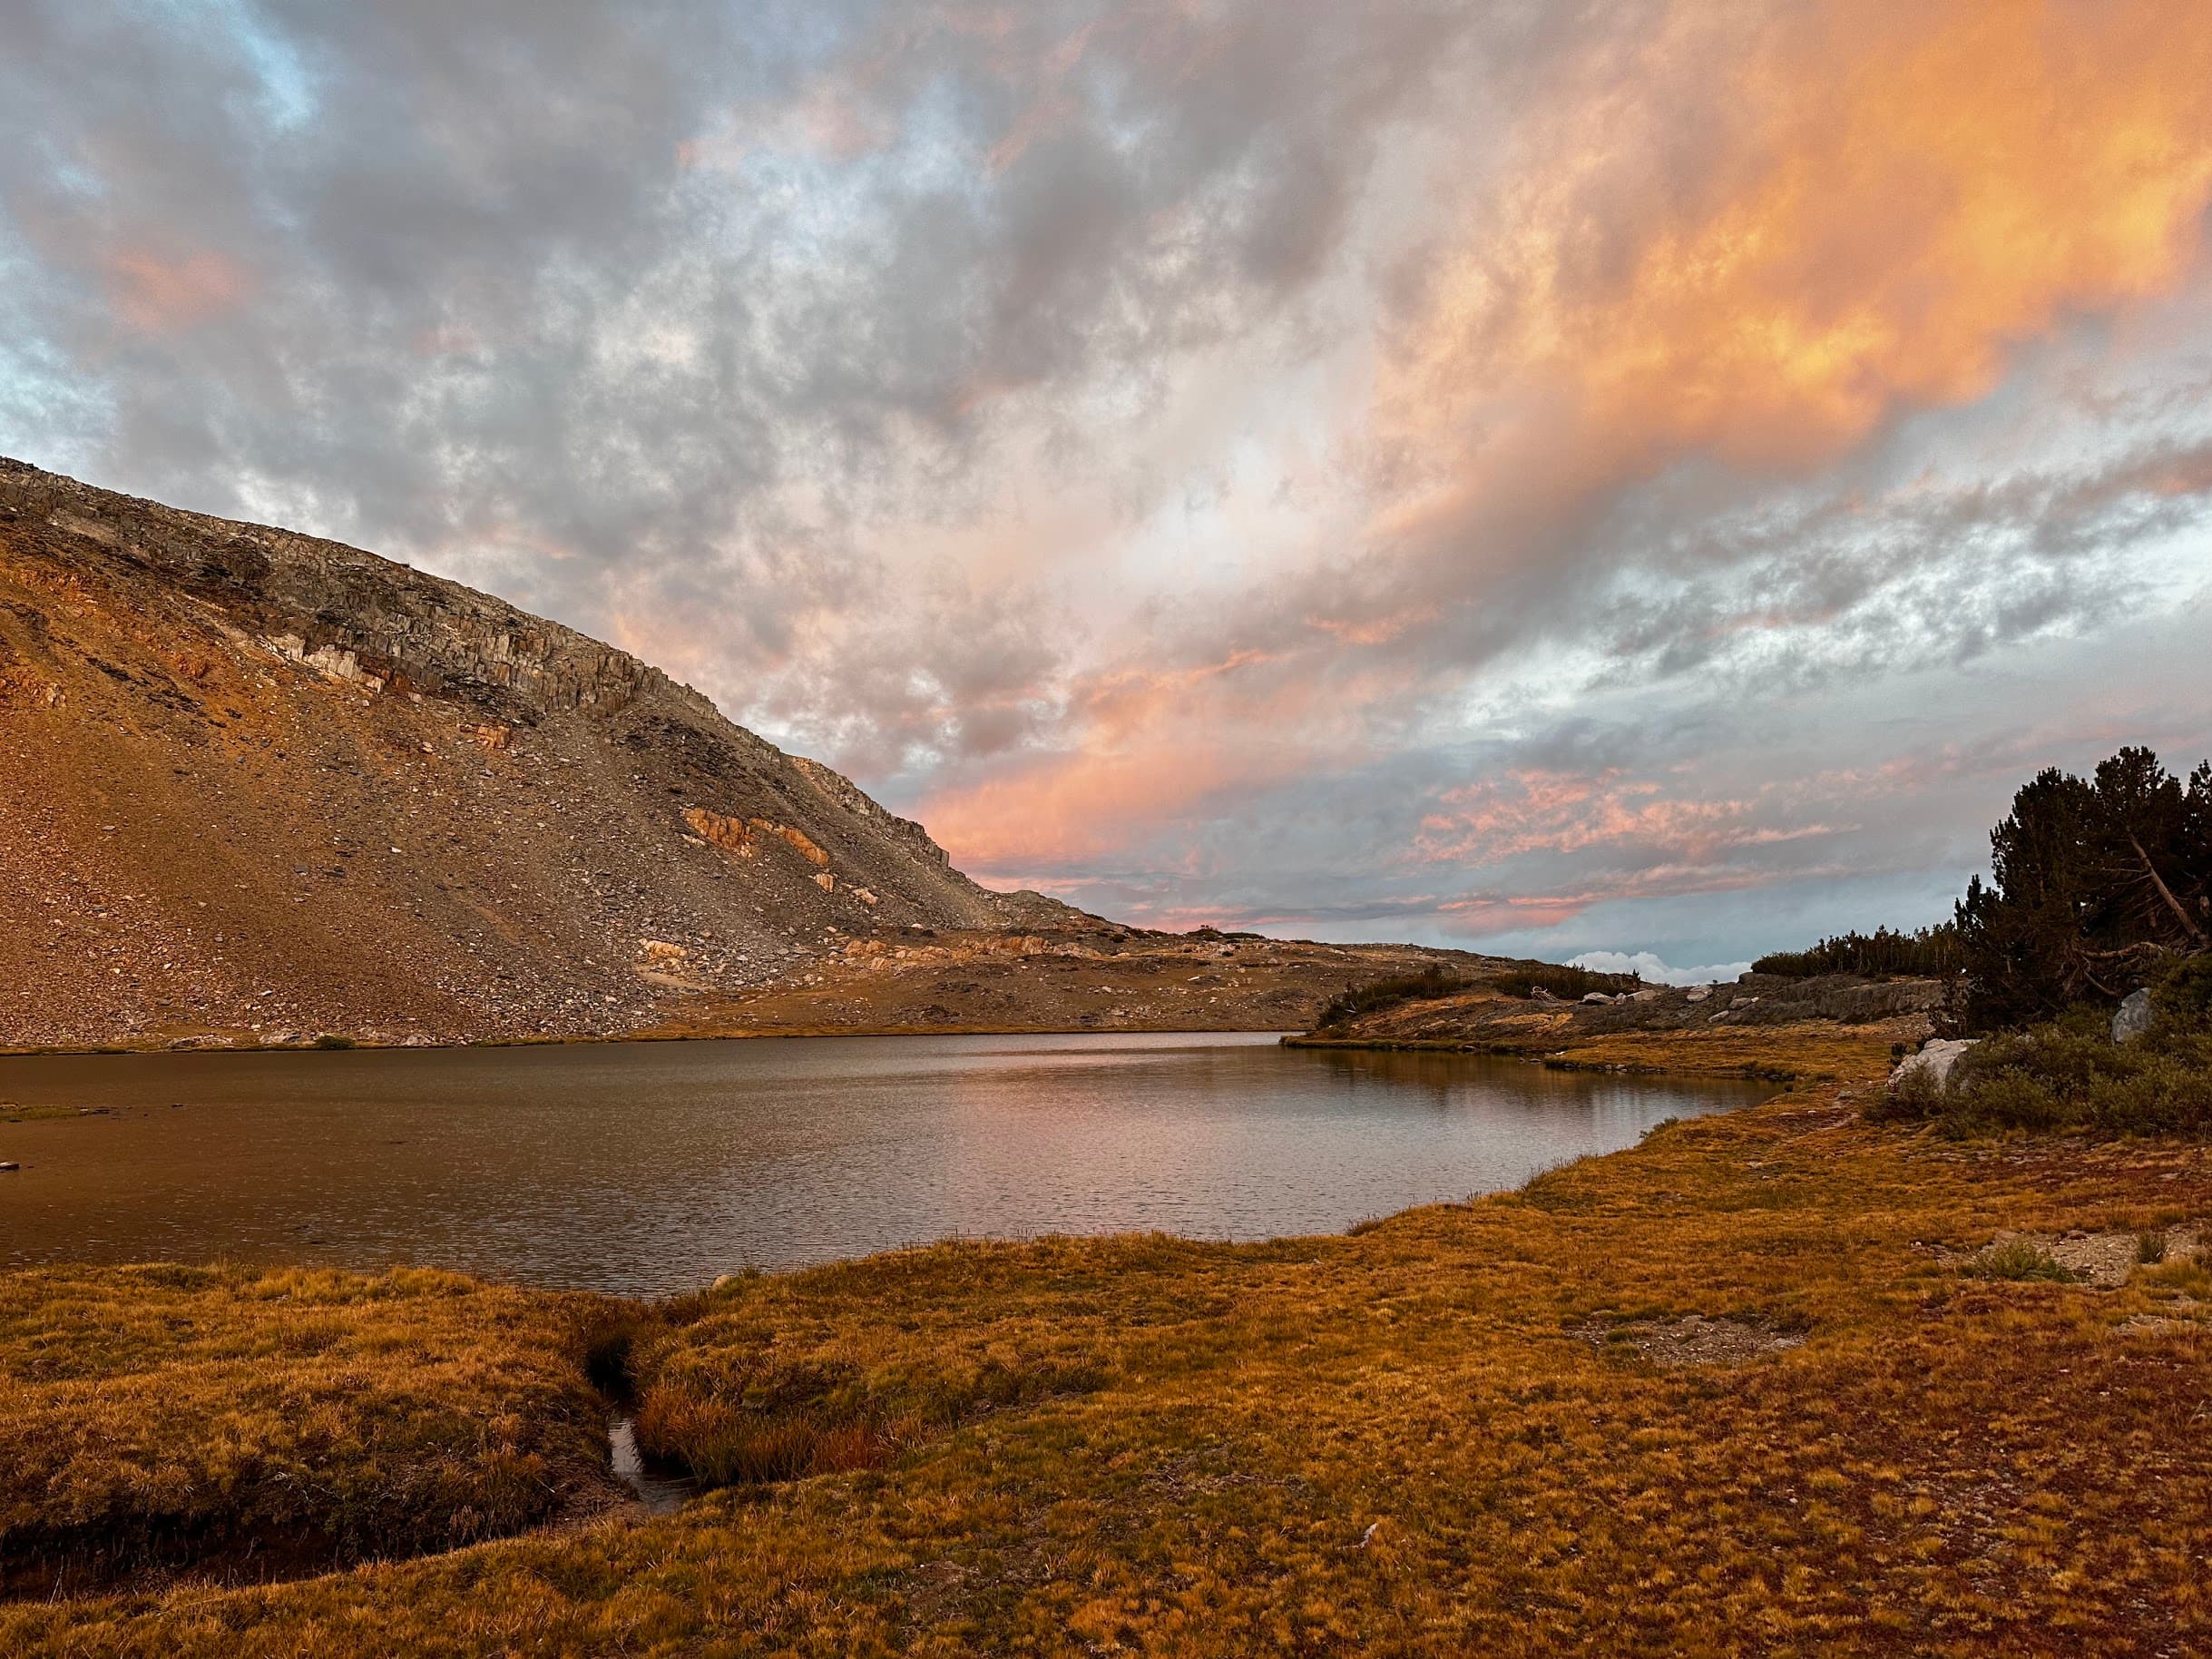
(1698, 993)
(2131, 1019)
(1597, 996)
(1935, 1059)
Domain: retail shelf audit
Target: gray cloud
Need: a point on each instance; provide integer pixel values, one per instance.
(770, 340)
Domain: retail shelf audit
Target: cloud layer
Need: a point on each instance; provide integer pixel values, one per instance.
(1643, 478)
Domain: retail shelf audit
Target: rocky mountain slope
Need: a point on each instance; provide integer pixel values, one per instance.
(257, 787)
(255, 783)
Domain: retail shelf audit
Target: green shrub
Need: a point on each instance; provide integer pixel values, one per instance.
(2019, 1259)
(1354, 1001)
(1568, 983)
(329, 1041)
(2069, 1074)
(1917, 1097)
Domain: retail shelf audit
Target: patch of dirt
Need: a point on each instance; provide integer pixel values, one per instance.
(1693, 1339)
(2102, 1260)
(2161, 1324)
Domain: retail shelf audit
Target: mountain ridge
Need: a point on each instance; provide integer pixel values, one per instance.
(232, 688)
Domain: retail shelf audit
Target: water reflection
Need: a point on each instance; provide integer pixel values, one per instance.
(655, 1167)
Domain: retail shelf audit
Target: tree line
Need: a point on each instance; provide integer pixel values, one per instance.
(2096, 886)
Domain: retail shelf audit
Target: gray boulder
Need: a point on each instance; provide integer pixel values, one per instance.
(2131, 1019)
(1937, 1055)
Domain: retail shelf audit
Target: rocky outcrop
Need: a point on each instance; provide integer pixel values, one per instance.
(731, 834)
(2132, 1019)
(797, 837)
(846, 794)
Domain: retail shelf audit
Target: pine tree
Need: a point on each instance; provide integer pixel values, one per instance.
(2093, 883)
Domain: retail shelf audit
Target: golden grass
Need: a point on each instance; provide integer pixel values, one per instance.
(1402, 1442)
(1818, 1049)
(258, 1423)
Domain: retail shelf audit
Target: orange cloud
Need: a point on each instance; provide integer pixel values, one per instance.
(1071, 808)
(155, 293)
(1534, 811)
(1479, 914)
(1150, 746)
(1759, 232)
(1879, 201)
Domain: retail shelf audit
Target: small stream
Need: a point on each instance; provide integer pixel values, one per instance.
(660, 1486)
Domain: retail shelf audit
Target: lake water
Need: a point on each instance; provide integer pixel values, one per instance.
(653, 1167)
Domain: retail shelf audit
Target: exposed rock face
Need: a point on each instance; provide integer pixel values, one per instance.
(2131, 1019)
(731, 834)
(798, 839)
(251, 781)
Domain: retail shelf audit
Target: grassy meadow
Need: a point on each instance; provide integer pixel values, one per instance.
(1784, 1380)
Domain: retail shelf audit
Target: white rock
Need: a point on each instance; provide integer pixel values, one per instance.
(1935, 1058)
(1698, 993)
(1597, 996)
(2131, 1019)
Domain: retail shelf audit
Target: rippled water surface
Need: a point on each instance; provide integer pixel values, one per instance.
(649, 1167)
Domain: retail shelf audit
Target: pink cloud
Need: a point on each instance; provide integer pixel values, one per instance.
(1534, 810)
(154, 292)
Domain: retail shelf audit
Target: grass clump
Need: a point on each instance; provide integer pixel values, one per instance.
(331, 1040)
(2018, 1259)
(10, 1112)
(745, 1394)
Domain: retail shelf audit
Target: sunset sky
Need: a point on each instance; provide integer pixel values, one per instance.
(1642, 477)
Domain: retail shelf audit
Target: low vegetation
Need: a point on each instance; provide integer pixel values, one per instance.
(1373, 998)
(248, 1425)
(1929, 953)
(2069, 1074)
(1525, 979)
(1818, 1431)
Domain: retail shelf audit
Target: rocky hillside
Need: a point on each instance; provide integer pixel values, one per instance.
(1496, 1014)
(256, 786)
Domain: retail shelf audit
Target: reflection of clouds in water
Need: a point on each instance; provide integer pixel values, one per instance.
(656, 1167)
